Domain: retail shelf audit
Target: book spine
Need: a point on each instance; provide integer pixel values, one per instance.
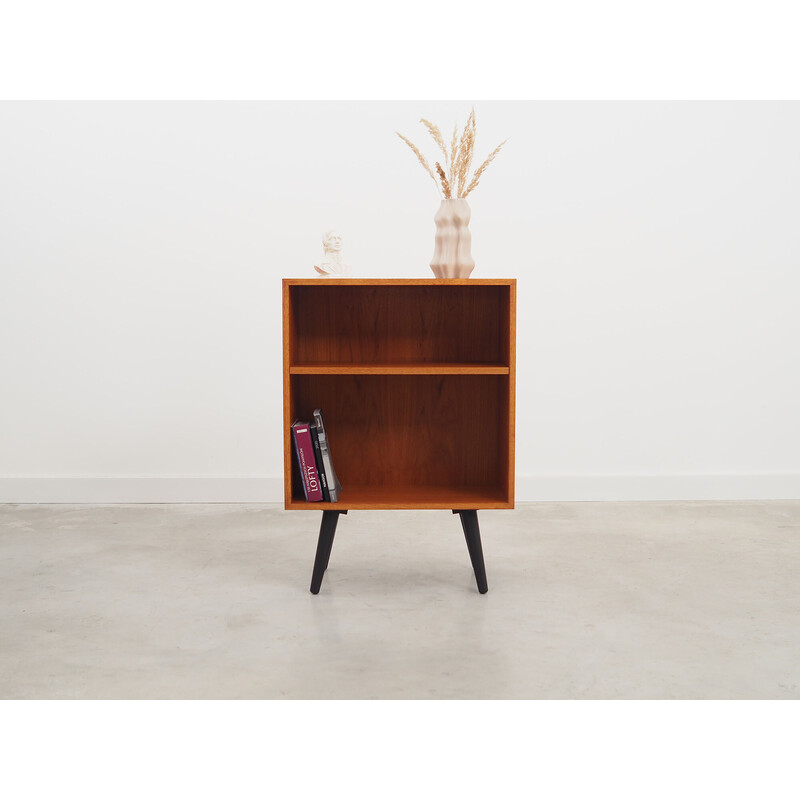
(305, 458)
(320, 466)
(334, 487)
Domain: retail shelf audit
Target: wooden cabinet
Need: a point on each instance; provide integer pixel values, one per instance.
(415, 379)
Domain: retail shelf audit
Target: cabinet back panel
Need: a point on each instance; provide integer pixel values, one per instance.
(411, 429)
(404, 324)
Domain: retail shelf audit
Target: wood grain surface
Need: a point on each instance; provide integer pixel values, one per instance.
(402, 324)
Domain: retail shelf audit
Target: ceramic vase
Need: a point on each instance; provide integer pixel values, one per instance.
(451, 256)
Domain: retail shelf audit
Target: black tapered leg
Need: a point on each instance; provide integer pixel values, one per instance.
(472, 533)
(330, 547)
(327, 530)
(468, 538)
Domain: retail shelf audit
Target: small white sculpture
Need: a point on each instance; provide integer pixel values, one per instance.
(331, 264)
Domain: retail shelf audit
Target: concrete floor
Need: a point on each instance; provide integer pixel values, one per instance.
(586, 600)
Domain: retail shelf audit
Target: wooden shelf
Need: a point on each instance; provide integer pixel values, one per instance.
(415, 368)
(410, 497)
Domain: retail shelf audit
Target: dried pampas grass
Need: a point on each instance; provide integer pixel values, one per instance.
(481, 168)
(466, 152)
(436, 134)
(453, 146)
(445, 183)
(454, 175)
(420, 157)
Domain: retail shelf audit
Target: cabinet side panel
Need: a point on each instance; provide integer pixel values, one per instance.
(287, 399)
(512, 388)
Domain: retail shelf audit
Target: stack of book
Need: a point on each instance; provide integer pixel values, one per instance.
(313, 454)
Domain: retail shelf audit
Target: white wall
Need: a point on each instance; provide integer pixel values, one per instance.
(142, 245)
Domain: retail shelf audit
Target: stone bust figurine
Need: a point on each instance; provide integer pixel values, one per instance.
(331, 264)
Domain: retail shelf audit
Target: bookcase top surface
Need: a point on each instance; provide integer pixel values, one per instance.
(399, 281)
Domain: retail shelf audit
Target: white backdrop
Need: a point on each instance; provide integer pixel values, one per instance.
(655, 244)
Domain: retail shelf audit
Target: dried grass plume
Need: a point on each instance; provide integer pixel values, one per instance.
(453, 146)
(453, 177)
(445, 183)
(420, 157)
(482, 167)
(437, 137)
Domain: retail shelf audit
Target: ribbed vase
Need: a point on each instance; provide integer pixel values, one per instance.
(451, 255)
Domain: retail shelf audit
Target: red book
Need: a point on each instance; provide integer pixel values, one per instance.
(304, 449)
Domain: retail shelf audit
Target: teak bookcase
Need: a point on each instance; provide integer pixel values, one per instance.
(415, 379)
